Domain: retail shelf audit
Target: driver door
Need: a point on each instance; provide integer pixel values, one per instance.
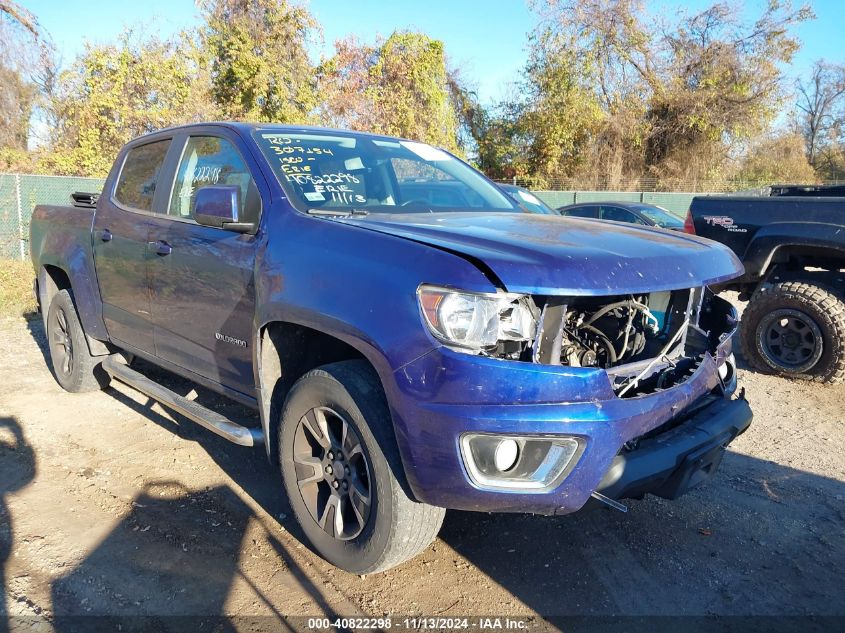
(203, 297)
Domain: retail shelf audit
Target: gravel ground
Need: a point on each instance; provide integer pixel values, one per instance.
(110, 504)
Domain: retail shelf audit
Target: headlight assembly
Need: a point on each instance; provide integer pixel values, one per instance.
(477, 321)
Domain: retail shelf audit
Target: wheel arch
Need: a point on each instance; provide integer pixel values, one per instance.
(285, 351)
(50, 280)
(792, 243)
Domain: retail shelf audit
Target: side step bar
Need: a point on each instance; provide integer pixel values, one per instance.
(213, 421)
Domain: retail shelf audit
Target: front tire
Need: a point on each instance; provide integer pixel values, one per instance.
(343, 475)
(796, 328)
(74, 368)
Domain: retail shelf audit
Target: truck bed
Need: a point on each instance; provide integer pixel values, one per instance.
(60, 236)
(760, 230)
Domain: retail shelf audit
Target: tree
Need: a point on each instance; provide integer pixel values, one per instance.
(558, 113)
(399, 87)
(777, 159)
(13, 12)
(117, 92)
(16, 102)
(612, 96)
(343, 82)
(260, 68)
(26, 70)
(821, 103)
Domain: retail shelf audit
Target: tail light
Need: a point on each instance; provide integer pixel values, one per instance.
(689, 226)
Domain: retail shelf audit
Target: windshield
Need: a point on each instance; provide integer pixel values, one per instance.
(528, 200)
(348, 172)
(661, 217)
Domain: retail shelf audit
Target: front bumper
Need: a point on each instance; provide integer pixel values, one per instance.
(670, 463)
(443, 395)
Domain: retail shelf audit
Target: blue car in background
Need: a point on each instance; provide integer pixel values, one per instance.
(410, 338)
(631, 212)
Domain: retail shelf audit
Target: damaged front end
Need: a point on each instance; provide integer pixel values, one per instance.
(646, 343)
(554, 399)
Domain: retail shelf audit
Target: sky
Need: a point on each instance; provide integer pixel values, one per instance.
(485, 39)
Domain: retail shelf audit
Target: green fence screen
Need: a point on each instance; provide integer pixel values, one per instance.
(677, 203)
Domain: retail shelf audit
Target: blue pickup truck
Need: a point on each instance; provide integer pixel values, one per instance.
(411, 339)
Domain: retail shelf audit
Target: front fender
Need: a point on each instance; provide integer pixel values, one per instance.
(353, 284)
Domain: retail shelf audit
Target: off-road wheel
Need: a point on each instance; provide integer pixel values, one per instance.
(796, 328)
(343, 475)
(74, 368)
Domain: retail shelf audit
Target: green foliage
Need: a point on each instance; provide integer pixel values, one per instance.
(409, 92)
(780, 159)
(260, 65)
(400, 87)
(15, 160)
(608, 97)
(560, 114)
(16, 298)
(16, 102)
(116, 92)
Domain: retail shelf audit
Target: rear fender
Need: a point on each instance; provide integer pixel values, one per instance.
(773, 242)
(77, 264)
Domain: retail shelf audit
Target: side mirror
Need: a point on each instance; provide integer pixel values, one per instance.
(219, 206)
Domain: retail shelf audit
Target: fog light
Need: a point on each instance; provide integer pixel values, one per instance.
(723, 371)
(532, 464)
(506, 455)
(727, 374)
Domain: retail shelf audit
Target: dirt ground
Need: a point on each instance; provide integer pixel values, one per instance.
(110, 504)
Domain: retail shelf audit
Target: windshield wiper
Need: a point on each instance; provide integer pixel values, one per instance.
(338, 213)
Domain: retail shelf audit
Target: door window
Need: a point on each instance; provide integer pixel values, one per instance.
(136, 185)
(582, 212)
(207, 161)
(619, 214)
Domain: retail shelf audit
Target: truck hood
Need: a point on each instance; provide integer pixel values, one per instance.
(553, 255)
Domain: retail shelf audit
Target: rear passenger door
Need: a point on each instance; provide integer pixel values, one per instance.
(122, 223)
(203, 297)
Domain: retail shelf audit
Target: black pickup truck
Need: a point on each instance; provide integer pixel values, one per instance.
(792, 243)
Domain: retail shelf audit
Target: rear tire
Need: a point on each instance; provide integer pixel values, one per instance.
(74, 368)
(796, 328)
(338, 456)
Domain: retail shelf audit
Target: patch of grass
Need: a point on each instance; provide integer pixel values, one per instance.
(16, 298)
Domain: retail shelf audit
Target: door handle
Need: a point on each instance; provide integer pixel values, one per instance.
(160, 248)
(105, 235)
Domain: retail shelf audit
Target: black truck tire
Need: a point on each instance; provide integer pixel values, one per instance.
(74, 368)
(796, 328)
(356, 458)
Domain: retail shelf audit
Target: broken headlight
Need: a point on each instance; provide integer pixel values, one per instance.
(477, 321)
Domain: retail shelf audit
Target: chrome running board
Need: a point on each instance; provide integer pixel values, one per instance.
(213, 421)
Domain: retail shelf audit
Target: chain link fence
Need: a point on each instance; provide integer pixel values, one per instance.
(19, 193)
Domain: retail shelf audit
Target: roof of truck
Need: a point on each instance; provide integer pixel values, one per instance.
(246, 128)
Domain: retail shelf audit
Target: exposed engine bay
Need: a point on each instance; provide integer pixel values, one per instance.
(646, 342)
(608, 335)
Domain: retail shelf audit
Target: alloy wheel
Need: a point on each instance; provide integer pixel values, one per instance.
(333, 474)
(61, 343)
